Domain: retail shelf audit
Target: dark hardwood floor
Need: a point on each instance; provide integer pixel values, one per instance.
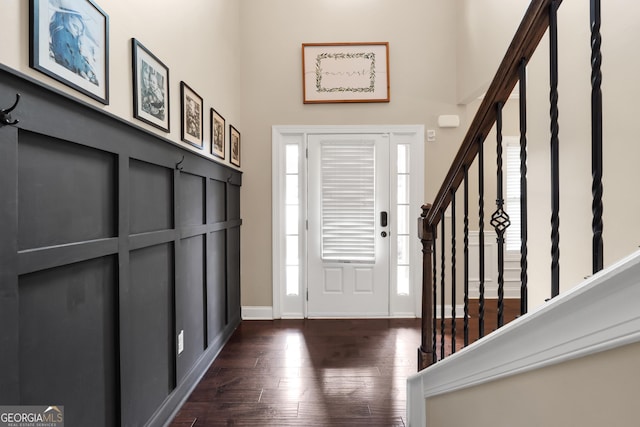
(308, 373)
(318, 372)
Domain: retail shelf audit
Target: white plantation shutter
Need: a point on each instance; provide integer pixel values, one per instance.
(513, 196)
(348, 201)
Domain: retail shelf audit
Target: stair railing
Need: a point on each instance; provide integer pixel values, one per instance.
(540, 16)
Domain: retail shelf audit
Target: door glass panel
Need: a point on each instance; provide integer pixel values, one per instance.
(403, 219)
(292, 214)
(348, 201)
(403, 280)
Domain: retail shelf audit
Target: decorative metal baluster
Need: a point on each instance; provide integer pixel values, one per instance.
(524, 278)
(596, 136)
(466, 255)
(442, 285)
(453, 271)
(481, 235)
(500, 219)
(435, 286)
(555, 156)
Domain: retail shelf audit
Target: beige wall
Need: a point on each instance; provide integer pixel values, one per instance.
(198, 40)
(244, 58)
(591, 391)
(490, 21)
(485, 29)
(620, 95)
(421, 36)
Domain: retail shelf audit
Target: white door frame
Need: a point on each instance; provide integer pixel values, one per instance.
(293, 305)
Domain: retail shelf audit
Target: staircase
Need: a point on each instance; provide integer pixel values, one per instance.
(561, 362)
(591, 331)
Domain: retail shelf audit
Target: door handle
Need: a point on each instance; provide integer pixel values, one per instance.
(383, 218)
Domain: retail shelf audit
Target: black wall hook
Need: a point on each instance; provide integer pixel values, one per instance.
(179, 164)
(5, 116)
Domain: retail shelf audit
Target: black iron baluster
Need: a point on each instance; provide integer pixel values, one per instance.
(524, 278)
(435, 286)
(442, 286)
(453, 271)
(555, 156)
(481, 235)
(466, 255)
(500, 219)
(596, 136)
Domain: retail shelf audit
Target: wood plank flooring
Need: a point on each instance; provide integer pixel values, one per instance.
(308, 373)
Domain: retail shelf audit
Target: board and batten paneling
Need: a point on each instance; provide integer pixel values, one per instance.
(109, 251)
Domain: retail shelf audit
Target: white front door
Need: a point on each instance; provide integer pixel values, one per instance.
(349, 225)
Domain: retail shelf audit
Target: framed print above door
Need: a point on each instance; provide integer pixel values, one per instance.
(69, 42)
(345, 72)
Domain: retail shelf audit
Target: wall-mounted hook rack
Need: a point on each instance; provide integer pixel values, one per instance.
(5, 116)
(179, 164)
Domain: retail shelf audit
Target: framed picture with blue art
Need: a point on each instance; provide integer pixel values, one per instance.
(69, 42)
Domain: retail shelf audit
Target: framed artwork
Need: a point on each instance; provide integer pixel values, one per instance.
(191, 120)
(69, 41)
(234, 146)
(345, 72)
(150, 87)
(217, 134)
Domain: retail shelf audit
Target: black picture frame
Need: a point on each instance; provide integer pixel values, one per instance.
(218, 127)
(234, 146)
(71, 44)
(150, 87)
(191, 116)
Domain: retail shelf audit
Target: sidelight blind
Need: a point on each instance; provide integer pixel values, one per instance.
(513, 196)
(348, 201)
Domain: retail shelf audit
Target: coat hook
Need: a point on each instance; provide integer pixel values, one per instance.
(5, 117)
(179, 164)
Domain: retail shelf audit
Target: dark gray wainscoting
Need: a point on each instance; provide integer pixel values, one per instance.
(109, 252)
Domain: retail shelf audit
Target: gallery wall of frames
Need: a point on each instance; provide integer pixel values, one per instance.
(119, 249)
(69, 42)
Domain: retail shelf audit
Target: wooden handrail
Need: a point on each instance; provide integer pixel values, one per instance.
(525, 41)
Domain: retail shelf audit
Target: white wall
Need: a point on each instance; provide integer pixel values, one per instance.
(198, 40)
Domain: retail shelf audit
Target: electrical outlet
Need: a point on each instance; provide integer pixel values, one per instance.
(181, 341)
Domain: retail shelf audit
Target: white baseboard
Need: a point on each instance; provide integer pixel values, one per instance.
(257, 313)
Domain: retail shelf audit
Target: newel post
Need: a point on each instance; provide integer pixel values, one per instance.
(427, 237)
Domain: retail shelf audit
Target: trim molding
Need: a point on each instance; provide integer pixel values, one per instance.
(600, 314)
(295, 306)
(257, 313)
